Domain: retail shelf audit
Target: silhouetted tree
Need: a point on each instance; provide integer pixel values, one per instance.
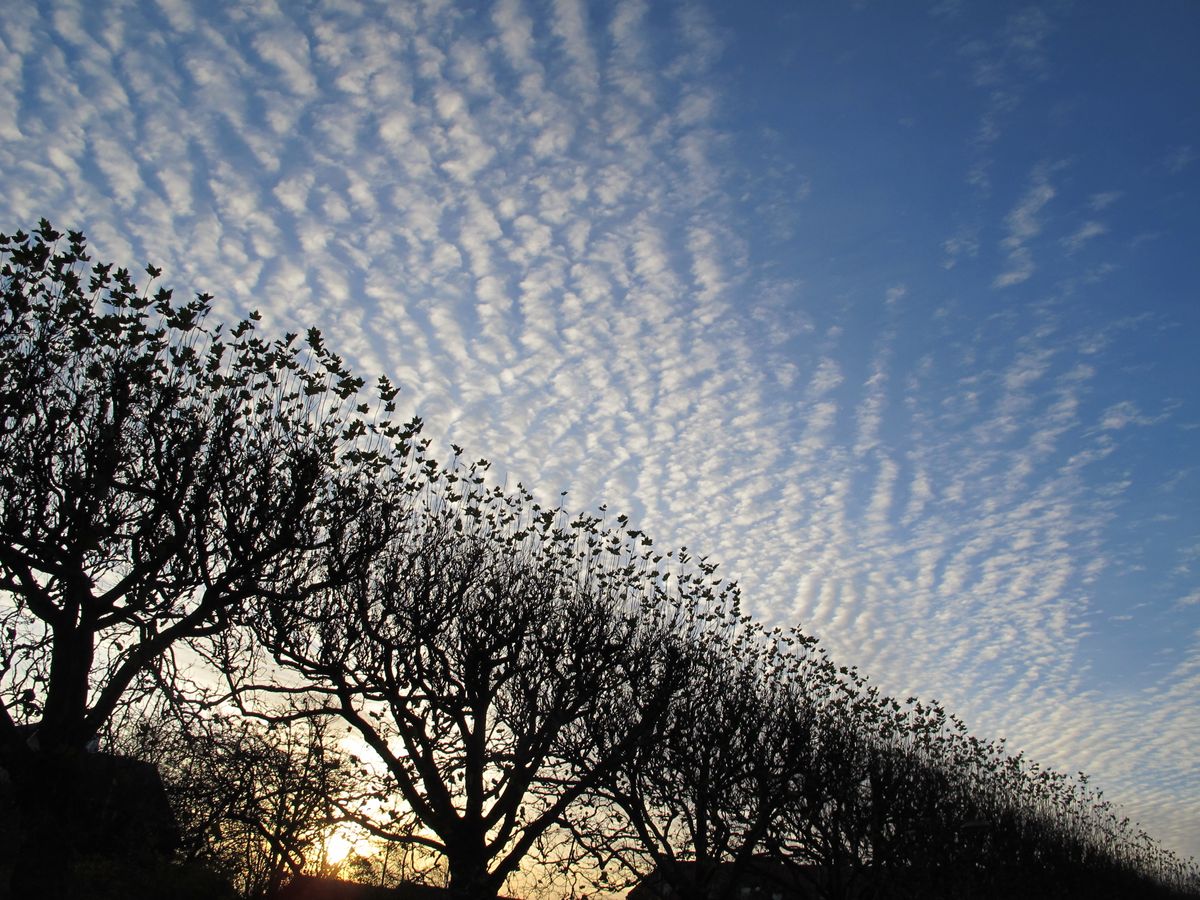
(155, 472)
(472, 657)
(695, 804)
(254, 804)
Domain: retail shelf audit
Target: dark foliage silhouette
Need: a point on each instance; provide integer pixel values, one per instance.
(528, 686)
(701, 798)
(155, 473)
(475, 657)
(254, 804)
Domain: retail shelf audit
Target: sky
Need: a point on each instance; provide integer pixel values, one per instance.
(890, 308)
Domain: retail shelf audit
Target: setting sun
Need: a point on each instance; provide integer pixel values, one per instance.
(341, 842)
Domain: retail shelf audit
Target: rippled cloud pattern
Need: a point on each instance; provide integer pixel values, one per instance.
(893, 312)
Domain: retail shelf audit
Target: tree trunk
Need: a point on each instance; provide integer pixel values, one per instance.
(469, 875)
(61, 728)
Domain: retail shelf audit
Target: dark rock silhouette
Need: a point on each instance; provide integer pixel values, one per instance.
(59, 809)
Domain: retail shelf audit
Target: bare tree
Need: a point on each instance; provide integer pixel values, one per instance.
(155, 472)
(471, 659)
(253, 803)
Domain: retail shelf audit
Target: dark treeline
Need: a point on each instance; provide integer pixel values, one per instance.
(221, 565)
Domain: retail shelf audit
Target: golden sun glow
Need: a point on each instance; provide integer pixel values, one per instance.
(341, 842)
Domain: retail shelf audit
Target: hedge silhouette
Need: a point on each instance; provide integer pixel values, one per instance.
(534, 688)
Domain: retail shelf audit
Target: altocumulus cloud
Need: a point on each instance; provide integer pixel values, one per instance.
(541, 219)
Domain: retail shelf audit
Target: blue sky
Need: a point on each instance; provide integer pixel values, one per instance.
(891, 308)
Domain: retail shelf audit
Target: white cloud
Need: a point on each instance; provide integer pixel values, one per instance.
(1083, 234)
(1102, 201)
(964, 244)
(570, 26)
(1024, 224)
(1126, 413)
(827, 377)
(516, 33)
(287, 51)
(1020, 268)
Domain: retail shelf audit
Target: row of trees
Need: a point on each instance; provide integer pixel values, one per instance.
(525, 684)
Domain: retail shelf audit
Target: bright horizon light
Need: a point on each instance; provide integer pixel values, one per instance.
(344, 840)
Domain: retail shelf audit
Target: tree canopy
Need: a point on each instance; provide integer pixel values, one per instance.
(156, 472)
(479, 655)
